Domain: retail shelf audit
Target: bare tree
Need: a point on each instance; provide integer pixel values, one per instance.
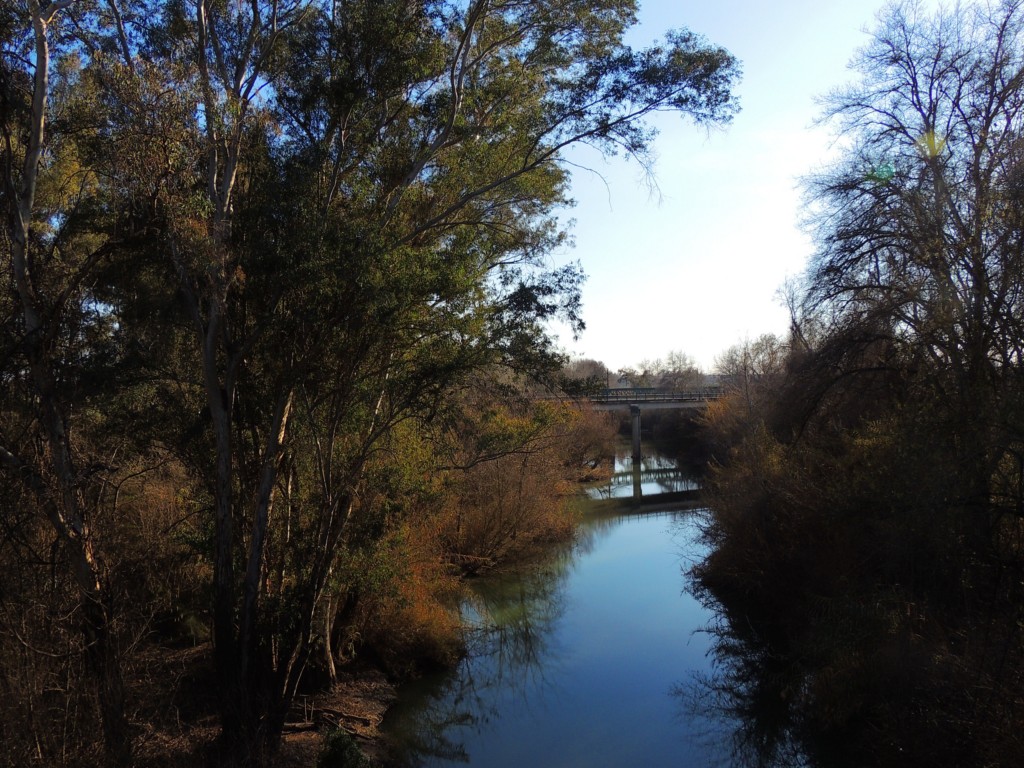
(919, 227)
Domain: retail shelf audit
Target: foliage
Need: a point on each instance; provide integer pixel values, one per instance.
(868, 500)
(584, 377)
(518, 464)
(252, 241)
(341, 751)
(404, 618)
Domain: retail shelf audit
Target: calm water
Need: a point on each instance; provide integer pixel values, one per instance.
(653, 475)
(588, 660)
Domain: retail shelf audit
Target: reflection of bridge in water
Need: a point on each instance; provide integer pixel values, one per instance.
(653, 480)
(650, 398)
(660, 475)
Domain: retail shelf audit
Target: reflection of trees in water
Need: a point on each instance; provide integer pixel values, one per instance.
(751, 700)
(751, 692)
(830, 671)
(589, 534)
(844, 690)
(511, 619)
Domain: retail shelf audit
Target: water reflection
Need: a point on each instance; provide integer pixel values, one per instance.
(570, 663)
(752, 691)
(750, 695)
(652, 475)
(510, 619)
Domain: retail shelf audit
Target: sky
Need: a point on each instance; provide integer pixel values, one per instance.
(696, 266)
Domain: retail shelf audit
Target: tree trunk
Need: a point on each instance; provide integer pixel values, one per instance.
(103, 661)
(59, 494)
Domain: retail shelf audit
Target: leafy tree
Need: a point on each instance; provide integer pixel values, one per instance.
(295, 225)
(351, 201)
(584, 376)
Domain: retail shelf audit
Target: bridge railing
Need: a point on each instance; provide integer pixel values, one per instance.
(653, 395)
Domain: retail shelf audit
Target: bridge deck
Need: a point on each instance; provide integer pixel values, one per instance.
(653, 394)
(650, 398)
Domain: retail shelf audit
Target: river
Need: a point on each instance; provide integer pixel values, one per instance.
(592, 658)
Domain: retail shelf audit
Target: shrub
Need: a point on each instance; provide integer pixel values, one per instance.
(341, 751)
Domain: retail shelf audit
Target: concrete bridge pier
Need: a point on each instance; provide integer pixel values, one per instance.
(634, 411)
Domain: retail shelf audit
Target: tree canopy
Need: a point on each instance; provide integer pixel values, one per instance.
(260, 236)
(874, 488)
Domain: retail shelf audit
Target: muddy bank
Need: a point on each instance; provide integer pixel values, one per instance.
(174, 696)
(356, 704)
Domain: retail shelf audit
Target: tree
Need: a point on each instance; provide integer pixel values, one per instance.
(678, 371)
(751, 368)
(584, 376)
(346, 207)
(920, 224)
(53, 328)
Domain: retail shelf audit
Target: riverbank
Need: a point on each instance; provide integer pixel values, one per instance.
(357, 704)
(184, 734)
(173, 694)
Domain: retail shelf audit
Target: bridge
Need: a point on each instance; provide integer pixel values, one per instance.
(638, 399)
(650, 398)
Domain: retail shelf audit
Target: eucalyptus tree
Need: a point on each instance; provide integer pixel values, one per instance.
(57, 231)
(381, 183)
(312, 220)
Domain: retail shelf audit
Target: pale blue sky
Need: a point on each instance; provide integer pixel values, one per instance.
(697, 267)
